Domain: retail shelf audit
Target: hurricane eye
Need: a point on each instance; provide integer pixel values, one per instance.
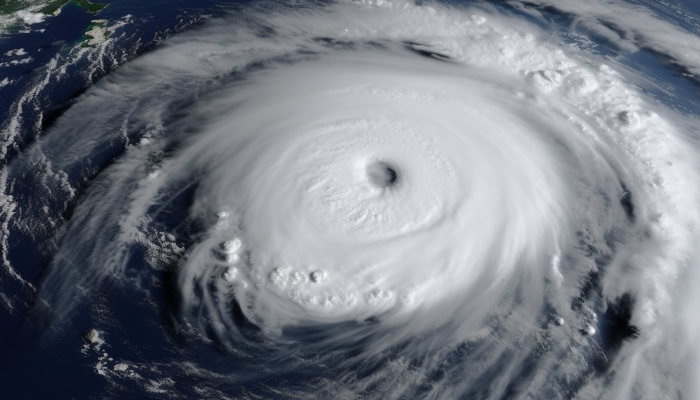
(382, 174)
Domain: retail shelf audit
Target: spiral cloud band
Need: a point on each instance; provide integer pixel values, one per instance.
(427, 200)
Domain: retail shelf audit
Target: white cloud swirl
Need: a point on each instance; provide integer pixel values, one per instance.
(457, 175)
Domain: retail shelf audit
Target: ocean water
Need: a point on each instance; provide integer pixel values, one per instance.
(354, 199)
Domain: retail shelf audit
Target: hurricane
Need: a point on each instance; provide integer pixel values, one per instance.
(379, 199)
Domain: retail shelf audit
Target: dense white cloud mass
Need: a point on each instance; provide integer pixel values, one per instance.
(446, 198)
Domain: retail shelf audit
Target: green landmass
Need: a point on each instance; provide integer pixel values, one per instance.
(91, 7)
(95, 34)
(10, 6)
(55, 5)
(47, 7)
